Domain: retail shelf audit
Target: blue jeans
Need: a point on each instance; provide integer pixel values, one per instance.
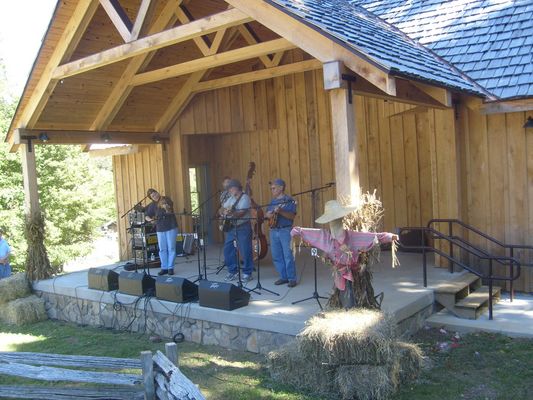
(244, 240)
(167, 247)
(280, 247)
(5, 270)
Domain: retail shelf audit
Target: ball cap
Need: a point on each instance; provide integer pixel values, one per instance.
(278, 182)
(234, 183)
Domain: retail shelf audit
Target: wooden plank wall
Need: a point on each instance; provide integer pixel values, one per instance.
(497, 190)
(134, 174)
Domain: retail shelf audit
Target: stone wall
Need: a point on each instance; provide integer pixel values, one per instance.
(133, 317)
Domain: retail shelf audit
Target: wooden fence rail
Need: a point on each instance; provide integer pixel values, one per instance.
(160, 379)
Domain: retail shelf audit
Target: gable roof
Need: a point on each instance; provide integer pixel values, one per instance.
(377, 40)
(490, 41)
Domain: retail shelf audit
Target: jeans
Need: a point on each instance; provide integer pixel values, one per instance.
(167, 248)
(244, 241)
(5, 270)
(280, 247)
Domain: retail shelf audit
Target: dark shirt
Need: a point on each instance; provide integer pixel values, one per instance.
(164, 221)
(288, 205)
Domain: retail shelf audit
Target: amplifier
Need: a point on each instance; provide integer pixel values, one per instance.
(102, 279)
(185, 243)
(221, 295)
(176, 289)
(135, 283)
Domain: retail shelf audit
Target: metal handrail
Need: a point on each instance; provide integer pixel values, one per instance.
(510, 247)
(468, 247)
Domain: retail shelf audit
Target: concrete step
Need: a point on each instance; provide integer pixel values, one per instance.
(458, 284)
(476, 303)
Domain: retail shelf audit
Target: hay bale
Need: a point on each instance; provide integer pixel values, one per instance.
(365, 382)
(410, 359)
(14, 287)
(23, 311)
(357, 336)
(288, 366)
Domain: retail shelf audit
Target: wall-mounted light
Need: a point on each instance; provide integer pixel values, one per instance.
(106, 137)
(43, 137)
(156, 139)
(529, 123)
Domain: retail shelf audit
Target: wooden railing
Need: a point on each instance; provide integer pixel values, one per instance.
(160, 379)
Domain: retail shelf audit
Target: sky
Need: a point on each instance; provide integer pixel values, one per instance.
(23, 24)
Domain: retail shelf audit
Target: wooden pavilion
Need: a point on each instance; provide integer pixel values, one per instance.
(312, 91)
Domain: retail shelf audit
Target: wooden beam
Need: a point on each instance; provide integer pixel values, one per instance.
(114, 151)
(29, 175)
(316, 43)
(521, 105)
(259, 75)
(251, 38)
(89, 137)
(212, 61)
(70, 38)
(122, 88)
(178, 103)
(118, 17)
(184, 17)
(153, 42)
(145, 10)
(443, 96)
(185, 94)
(345, 145)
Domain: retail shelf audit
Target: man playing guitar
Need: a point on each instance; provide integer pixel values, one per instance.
(281, 212)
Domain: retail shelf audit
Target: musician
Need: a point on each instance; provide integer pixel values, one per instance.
(161, 212)
(237, 209)
(281, 212)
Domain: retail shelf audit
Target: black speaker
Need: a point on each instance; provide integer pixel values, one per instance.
(135, 283)
(102, 279)
(176, 289)
(224, 296)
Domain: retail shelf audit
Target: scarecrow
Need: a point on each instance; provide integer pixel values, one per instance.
(348, 252)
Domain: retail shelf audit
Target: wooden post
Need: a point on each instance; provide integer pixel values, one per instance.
(29, 173)
(148, 375)
(344, 132)
(171, 350)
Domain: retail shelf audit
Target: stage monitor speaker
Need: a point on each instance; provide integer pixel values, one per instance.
(102, 279)
(224, 296)
(176, 289)
(135, 283)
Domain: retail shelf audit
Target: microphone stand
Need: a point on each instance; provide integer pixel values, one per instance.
(136, 204)
(201, 240)
(314, 250)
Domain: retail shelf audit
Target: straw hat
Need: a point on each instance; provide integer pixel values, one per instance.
(334, 210)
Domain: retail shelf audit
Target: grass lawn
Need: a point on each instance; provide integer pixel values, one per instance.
(477, 366)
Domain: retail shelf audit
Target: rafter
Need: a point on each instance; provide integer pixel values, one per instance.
(443, 96)
(212, 61)
(251, 38)
(122, 88)
(118, 17)
(153, 42)
(145, 10)
(259, 75)
(315, 43)
(185, 17)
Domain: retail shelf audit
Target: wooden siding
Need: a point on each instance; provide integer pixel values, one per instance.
(134, 174)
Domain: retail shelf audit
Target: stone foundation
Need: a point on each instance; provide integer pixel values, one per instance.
(132, 317)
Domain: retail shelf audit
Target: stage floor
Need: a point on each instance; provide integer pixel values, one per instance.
(404, 294)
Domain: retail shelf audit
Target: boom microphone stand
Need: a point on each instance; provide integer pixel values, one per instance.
(314, 250)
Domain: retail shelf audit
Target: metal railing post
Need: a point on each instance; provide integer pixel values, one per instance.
(424, 258)
(450, 231)
(490, 289)
(511, 286)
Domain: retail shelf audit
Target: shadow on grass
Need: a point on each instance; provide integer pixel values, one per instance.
(220, 373)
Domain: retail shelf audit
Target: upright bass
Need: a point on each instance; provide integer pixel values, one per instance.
(259, 241)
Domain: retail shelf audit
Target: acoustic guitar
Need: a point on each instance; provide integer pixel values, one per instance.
(259, 241)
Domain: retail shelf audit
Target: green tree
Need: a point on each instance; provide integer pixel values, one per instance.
(76, 194)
